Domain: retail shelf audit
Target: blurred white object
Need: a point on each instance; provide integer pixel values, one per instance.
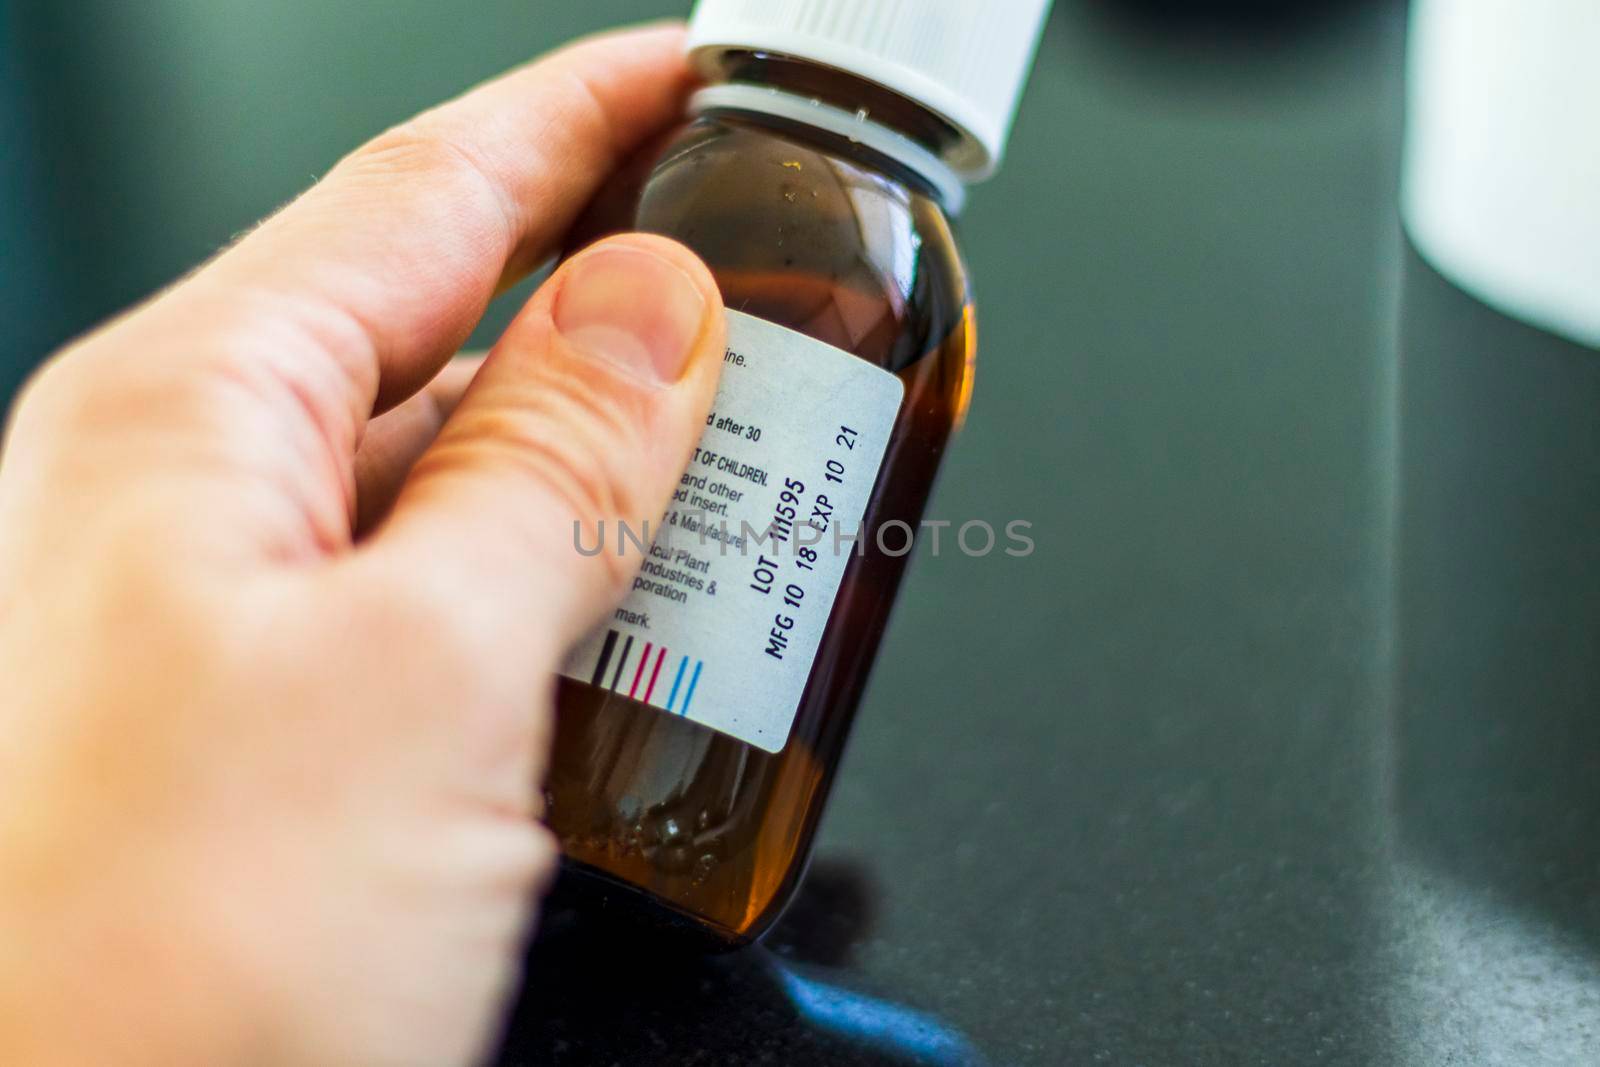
(1501, 189)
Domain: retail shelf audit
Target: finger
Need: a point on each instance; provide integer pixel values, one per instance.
(351, 298)
(393, 441)
(586, 412)
(391, 260)
(267, 364)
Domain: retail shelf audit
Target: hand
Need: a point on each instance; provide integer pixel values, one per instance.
(277, 671)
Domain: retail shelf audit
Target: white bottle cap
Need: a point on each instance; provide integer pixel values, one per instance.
(1502, 163)
(965, 60)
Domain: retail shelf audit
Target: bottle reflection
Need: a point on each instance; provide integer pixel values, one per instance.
(599, 992)
(1498, 728)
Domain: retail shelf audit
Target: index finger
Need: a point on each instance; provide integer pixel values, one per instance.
(381, 271)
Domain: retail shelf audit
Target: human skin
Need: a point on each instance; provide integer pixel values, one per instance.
(278, 664)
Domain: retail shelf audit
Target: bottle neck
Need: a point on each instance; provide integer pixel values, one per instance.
(843, 90)
(884, 123)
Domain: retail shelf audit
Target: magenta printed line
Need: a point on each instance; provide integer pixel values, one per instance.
(639, 673)
(654, 674)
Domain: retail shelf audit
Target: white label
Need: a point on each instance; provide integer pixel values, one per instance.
(725, 617)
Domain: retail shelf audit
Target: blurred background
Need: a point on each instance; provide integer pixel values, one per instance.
(1282, 746)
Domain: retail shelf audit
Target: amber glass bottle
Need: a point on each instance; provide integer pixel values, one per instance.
(818, 198)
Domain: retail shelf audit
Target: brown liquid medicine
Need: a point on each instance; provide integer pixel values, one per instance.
(699, 728)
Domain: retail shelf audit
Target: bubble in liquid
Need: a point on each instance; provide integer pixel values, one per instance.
(704, 867)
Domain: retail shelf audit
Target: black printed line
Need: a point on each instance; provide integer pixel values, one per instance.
(627, 647)
(605, 654)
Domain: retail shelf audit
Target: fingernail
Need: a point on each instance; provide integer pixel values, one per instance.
(632, 308)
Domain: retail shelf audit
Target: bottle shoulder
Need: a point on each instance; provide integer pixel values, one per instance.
(804, 231)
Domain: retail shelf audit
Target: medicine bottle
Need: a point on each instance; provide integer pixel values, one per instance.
(699, 728)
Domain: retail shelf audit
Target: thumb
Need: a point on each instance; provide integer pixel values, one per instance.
(585, 413)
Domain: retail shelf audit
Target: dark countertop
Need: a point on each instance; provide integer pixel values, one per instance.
(1282, 746)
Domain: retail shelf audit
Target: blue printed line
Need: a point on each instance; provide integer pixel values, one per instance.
(693, 679)
(672, 696)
